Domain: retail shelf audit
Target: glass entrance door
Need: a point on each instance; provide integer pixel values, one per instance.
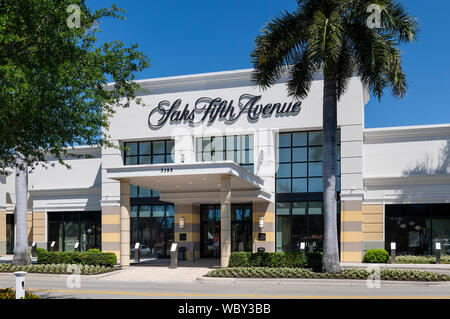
(210, 231)
(241, 229)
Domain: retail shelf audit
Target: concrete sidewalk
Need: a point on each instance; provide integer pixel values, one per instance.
(159, 271)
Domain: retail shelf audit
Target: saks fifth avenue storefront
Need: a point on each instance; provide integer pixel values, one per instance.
(217, 165)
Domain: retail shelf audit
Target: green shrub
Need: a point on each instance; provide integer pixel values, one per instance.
(239, 259)
(83, 258)
(358, 274)
(380, 256)
(55, 269)
(271, 260)
(9, 293)
(408, 259)
(256, 259)
(314, 261)
(296, 260)
(94, 250)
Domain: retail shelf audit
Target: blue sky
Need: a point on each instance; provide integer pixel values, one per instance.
(185, 37)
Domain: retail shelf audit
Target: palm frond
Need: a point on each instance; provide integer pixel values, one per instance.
(394, 18)
(326, 34)
(397, 79)
(345, 68)
(276, 47)
(301, 76)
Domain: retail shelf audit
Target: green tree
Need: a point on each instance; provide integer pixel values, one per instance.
(53, 84)
(335, 38)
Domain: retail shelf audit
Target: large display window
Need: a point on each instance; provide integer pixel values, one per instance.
(416, 228)
(153, 227)
(298, 222)
(68, 228)
(237, 148)
(299, 162)
(149, 152)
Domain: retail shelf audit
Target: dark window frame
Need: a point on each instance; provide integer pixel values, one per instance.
(308, 234)
(97, 222)
(152, 154)
(152, 219)
(308, 147)
(225, 150)
(204, 222)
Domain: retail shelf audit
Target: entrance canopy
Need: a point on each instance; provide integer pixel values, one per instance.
(193, 183)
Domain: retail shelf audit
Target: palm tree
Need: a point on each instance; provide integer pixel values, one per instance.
(21, 250)
(336, 38)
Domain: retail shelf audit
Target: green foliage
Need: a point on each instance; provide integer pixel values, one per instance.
(83, 258)
(272, 260)
(334, 37)
(380, 256)
(9, 293)
(54, 91)
(357, 274)
(421, 259)
(40, 250)
(56, 269)
(239, 259)
(314, 261)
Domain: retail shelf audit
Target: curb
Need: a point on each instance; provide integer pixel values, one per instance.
(344, 282)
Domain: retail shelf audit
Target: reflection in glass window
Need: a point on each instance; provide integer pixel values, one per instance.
(66, 229)
(142, 192)
(298, 222)
(149, 152)
(416, 228)
(299, 163)
(237, 148)
(153, 227)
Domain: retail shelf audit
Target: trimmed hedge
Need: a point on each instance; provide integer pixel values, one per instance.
(9, 293)
(83, 258)
(382, 256)
(55, 269)
(265, 272)
(377, 256)
(276, 260)
(421, 259)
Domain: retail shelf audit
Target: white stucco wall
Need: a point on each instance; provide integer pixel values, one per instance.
(61, 189)
(407, 164)
(131, 124)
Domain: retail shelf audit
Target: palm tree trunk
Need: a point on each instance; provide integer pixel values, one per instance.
(331, 261)
(21, 250)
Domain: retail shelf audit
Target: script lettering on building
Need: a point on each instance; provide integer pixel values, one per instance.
(209, 110)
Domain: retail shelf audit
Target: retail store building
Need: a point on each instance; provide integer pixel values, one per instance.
(217, 165)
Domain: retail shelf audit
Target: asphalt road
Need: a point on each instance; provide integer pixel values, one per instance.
(56, 287)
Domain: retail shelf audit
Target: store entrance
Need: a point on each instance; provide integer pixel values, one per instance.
(241, 229)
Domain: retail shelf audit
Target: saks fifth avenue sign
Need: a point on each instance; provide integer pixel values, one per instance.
(208, 110)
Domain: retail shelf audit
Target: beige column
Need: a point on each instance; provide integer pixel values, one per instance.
(124, 223)
(225, 220)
